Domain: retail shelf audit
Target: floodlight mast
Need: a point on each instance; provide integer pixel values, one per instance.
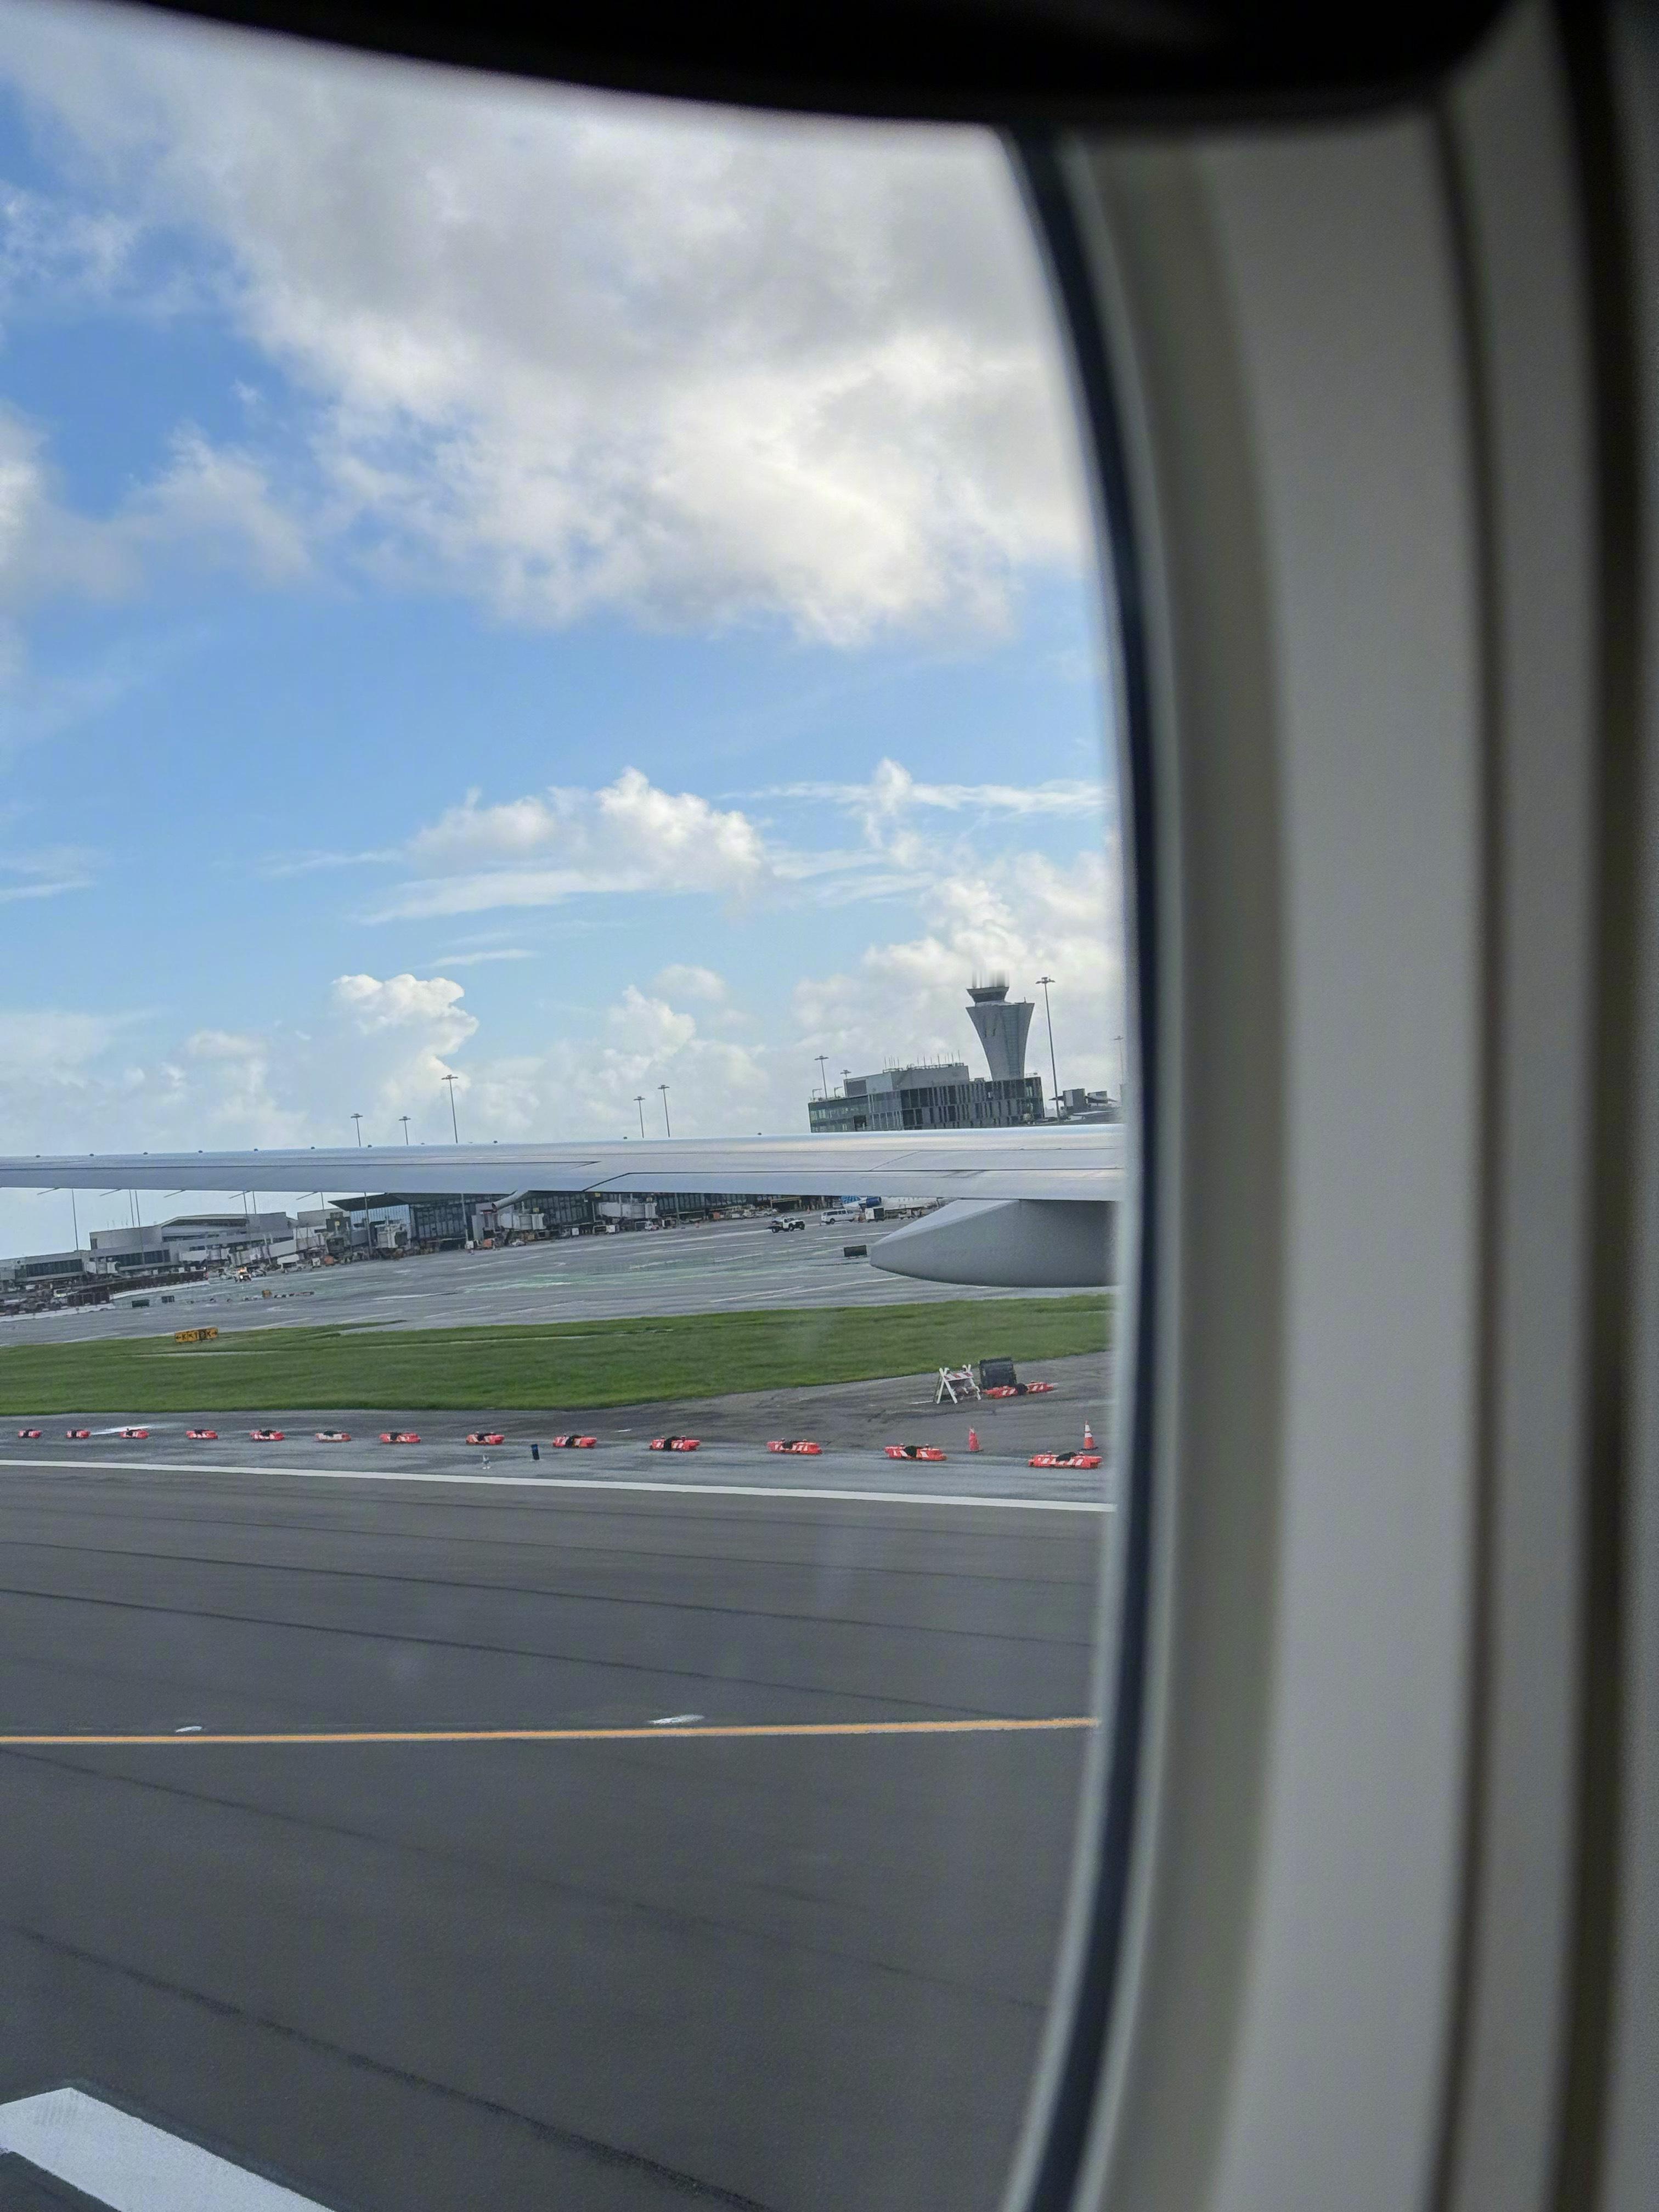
(1048, 1015)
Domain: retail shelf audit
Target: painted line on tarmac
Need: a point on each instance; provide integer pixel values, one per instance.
(575, 1482)
(654, 1734)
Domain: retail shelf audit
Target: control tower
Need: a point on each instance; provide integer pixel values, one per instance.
(1002, 1022)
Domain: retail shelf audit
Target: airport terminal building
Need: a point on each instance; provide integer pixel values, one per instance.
(941, 1094)
(938, 1096)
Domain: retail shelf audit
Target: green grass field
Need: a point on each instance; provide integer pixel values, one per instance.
(575, 1363)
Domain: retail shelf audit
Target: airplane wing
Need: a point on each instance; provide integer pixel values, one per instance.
(1023, 1208)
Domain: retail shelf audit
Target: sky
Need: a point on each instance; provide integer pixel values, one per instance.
(572, 592)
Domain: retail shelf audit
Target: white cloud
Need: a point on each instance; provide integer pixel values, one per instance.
(573, 352)
(429, 1003)
(892, 792)
(46, 872)
(736, 1049)
(207, 502)
(566, 844)
(222, 1045)
(45, 1046)
(684, 981)
(212, 496)
(603, 1089)
(1022, 917)
(47, 248)
(411, 1027)
(232, 1090)
(478, 959)
(651, 1026)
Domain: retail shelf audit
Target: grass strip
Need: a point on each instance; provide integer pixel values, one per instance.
(551, 1364)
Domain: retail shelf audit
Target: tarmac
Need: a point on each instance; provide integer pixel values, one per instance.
(745, 1917)
(425, 1827)
(705, 1267)
(854, 1421)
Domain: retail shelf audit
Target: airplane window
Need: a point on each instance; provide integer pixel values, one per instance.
(563, 1090)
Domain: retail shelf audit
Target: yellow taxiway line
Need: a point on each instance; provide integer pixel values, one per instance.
(658, 1731)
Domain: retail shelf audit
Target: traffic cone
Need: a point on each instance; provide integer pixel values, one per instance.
(1088, 1438)
(973, 1440)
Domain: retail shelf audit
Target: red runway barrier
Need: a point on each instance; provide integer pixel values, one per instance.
(914, 1451)
(794, 1444)
(572, 1443)
(675, 1443)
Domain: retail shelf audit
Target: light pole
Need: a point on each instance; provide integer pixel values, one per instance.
(454, 1126)
(824, 1078)
(358, 1119)
(638, 1100)
(404, 1118)
(1122, 1070)
(663, 1087)
(1050, 1017)
(75, 1218)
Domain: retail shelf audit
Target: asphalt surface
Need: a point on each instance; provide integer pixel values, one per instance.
(862, 1418)
(675, 1968)
(709, 1267)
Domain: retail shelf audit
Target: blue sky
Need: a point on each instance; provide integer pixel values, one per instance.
(559, 591)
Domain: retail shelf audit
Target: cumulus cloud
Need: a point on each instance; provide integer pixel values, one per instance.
(736, 1049)
(680, 981)
(608, 1087)
(222, 1045)
(572, 352)
(563, 843)
(430, 1005)
(1022, 916)
(213, 497)
(231, 1088)
(206, 502)
(43, 1046)
(404, 1032)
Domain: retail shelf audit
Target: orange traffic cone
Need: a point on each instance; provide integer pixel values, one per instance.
(973, 1440)
(1088, 1438)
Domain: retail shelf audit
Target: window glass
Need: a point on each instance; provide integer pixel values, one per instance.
(534, 619)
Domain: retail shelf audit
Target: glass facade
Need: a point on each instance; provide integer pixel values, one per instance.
(928, 1098)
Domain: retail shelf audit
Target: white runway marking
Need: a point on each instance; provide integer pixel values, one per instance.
(576, 1482)
(130, 2165)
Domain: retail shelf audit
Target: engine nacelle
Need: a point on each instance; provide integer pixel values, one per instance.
(1011, 1243)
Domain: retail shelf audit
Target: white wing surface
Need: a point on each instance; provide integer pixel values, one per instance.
(1082, 1164)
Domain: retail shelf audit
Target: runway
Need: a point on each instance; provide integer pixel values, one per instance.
(757, 1911)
